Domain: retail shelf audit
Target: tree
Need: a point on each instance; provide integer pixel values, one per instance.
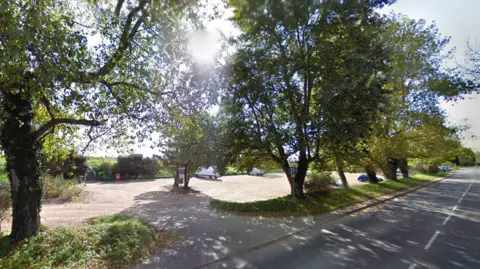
(190, 144)
(279, 73)
(472, 69)
(416, 83)
(52, 81)
(467, 157)
(249, 159)
(355, 95)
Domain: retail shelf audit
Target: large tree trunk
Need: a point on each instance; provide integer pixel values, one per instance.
(300, 178)
(372, 175)
(403, 165)
(390, 168)
(22, 153)
(340, 169)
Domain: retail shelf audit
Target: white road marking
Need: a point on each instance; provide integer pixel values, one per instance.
(454, 208)
(463, 195)
(446, 219)
(431, 240)
(412, 266)
(460, 200)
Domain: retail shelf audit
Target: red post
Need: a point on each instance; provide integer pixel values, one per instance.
(117, 177)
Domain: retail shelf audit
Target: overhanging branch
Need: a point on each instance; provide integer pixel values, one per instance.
(53, 122)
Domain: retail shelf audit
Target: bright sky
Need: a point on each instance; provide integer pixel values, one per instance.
(458, 19)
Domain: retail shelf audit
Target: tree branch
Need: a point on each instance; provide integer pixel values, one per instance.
(53, 122)
(126, 38)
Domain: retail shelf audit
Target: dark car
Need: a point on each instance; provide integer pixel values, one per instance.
(364, 178)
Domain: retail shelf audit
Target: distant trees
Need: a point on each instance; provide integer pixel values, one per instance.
(136, 165)
(411, 125)
(467, 157)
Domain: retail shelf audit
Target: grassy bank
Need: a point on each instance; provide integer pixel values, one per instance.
(319, 203)
(113, 241)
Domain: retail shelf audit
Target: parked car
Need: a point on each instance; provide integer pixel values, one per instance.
(207, 172)
(444, 168)
(256, 172)
(364, 178)
(399, 173)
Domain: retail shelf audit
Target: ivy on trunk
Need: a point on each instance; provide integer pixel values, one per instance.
(23, 153)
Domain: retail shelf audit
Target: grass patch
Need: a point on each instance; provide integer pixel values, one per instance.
(114, 241)
(324, 202)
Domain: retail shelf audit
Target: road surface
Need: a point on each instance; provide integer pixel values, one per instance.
(435, 227)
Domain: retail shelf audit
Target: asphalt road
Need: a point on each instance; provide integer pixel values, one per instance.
(435, 227)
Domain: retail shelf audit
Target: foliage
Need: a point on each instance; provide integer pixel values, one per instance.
(411, 124)
(325, 202)
(249, 159)
(280, 79)
(67, 167)
(58, 85)
(5, 201)
(96, 162)
(61, 189)
(467, 157)
(136, 165)
(472, 69)
(104, 170)
(190, 143)
(113, 241)
(317, 177)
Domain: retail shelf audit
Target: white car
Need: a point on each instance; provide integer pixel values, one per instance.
(207, 172)
(256, 172)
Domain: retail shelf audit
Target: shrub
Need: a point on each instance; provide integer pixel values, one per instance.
(136, 165)
(68, 166)
(5, 201)
(105, 169)
(110, 242)
(318, 180)
(59, 188)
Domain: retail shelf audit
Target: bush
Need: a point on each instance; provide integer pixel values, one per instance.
(318, 180)
(59, 188)
(5, 201)
(68, 167)
(104, 170)
(110, 242)
(136, 165)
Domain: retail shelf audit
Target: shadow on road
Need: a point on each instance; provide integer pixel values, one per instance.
(205, 235)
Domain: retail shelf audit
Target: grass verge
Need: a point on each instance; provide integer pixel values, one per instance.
(113, 241)
(324, 202)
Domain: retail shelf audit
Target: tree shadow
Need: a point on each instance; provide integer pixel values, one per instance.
(209, 179)
(103, 182)
(205, 234)
(390, 236)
